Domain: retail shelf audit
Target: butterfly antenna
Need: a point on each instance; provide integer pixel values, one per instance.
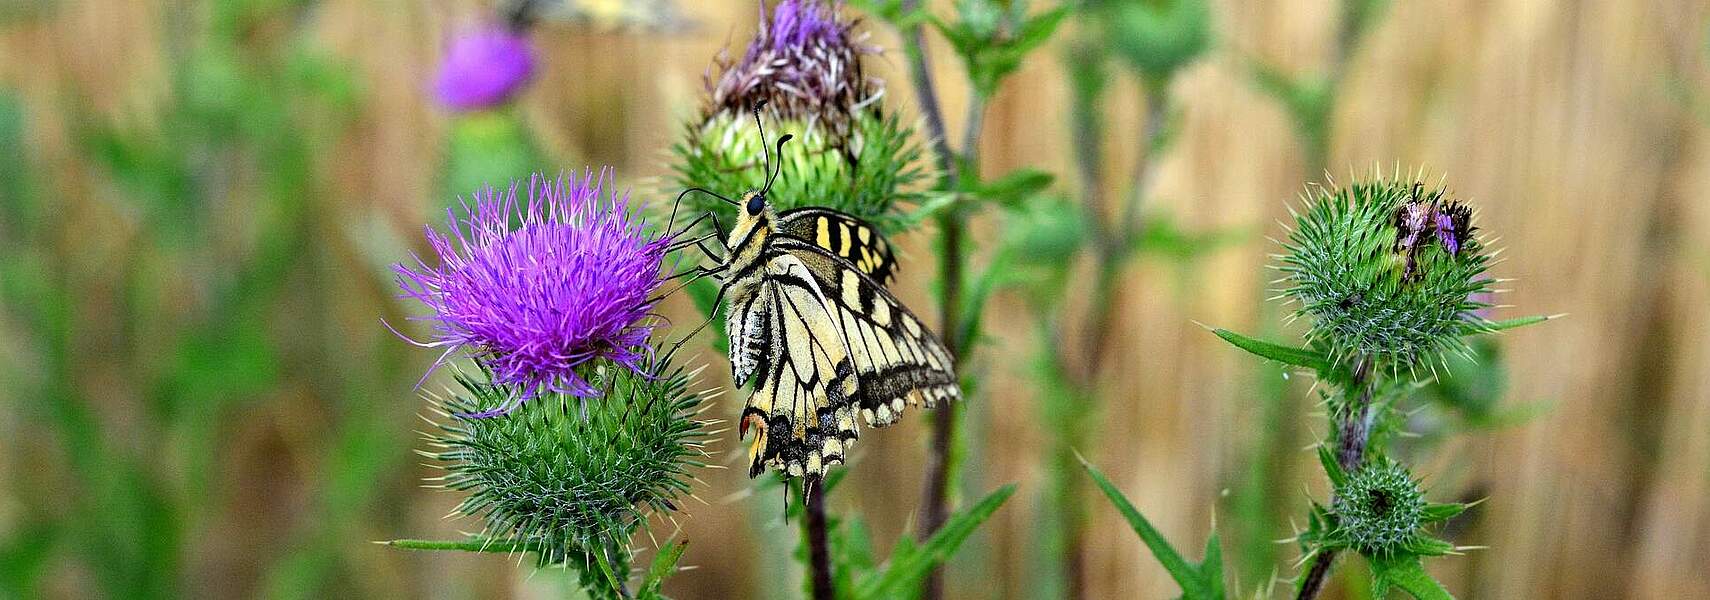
(774, 175)
(763, 149)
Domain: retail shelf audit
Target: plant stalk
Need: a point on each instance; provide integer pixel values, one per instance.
(1354, 431)
(934, 504)
(819, 553)
(1110, 246)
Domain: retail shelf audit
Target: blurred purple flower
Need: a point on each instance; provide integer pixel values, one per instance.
(483, 67)
(571, 282)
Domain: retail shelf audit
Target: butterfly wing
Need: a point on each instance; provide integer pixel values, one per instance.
(843, 235)
(782, 334)
(898, 361)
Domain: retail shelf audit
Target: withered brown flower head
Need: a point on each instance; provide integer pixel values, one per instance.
(804, 62)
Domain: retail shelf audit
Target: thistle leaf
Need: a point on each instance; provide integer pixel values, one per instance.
(1517, 323)
(1288, 355)
(912, 565)
(1407, 573)
(1193, 582)
(1333, 469)
(664, 563)
(1442, 512)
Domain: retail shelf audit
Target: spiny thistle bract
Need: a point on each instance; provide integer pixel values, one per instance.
(1379, 509)
(537, 289)
(1387, 272)
(564, 477)
(804, 67)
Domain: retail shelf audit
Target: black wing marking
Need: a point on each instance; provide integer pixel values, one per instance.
(843, 235)
(898, 361)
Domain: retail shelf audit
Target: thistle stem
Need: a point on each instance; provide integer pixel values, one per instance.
(819, 554)
(936, 495)
(1354, 431)
(1110, 244)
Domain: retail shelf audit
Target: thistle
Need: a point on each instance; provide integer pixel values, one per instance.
(484, 67)
(804, 65)
(1379, 508)
(1388, 273)
(568, 485)
(536, 290)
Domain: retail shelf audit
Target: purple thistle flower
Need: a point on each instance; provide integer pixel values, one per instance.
(570, 283)
(804, 62)
(1454, 226)
(483, 67)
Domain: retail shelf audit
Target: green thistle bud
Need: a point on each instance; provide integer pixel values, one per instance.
(571, 478)
(1387, 272)
(804, 67)
(1379, 508)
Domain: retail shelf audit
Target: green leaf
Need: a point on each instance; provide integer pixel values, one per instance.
(1015, 187)
(469, 545)
(1518, 323)
(1189, 578)
(1332, 468)
(606, 570)
(1424, 545)
(1442, 512)
(1407, 573)
(1288, 355)
(664, 563)
(1211, 567)
(939, 547)
(934, 204)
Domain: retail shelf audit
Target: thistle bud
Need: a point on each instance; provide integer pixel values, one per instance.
(563, 477)
(803, 71)
(1387, 272)
(1379, 509)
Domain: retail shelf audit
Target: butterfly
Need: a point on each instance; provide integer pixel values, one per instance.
(812, 326)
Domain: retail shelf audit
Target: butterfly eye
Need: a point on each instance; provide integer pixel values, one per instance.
(755, 203)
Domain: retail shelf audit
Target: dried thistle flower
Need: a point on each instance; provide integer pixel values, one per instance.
(804, 68)
(537, 289)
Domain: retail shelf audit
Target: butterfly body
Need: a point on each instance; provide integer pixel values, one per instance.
(813, 328)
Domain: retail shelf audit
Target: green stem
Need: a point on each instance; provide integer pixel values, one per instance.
(1354, 429)
(951, 257)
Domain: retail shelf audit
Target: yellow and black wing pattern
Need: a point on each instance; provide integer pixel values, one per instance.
(784, 336)
(826, 340)
(844, 236)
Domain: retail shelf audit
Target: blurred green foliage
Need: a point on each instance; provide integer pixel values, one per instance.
(223, 289)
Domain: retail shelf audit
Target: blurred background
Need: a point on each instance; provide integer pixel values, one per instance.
(200, 201)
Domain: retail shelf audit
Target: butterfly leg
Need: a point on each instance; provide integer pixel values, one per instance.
(716, 303)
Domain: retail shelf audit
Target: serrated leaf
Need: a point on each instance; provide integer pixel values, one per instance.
(1407, 573)
(1517, 323)
(1015, 186)
(1211, 568)
(664, 563)
(1288, 355)
(915, 563)
(1423, 545)
(1442, 512)
(1332, 468)
(1186, 576)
